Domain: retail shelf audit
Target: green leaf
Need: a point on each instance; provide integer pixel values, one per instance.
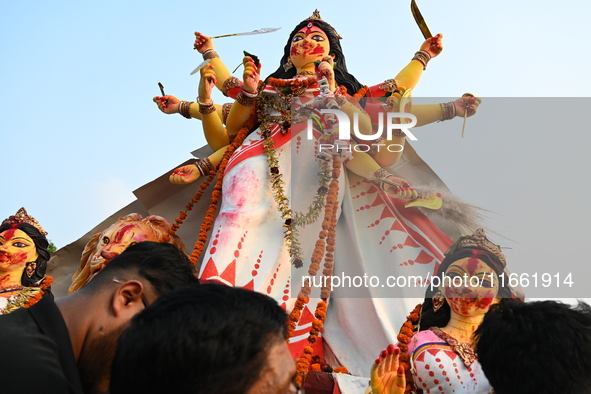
(254, 58)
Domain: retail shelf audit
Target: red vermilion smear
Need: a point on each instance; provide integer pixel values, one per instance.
(486, 299)
(473, 263)
(12, 259)
(3, 280)
(294, 51)
(141, 237)
(8, 234)
(318, 50)
(18, 258)
(485, 303)
(462, 305)
(121, 233)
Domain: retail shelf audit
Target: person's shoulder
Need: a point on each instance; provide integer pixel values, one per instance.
(30, 358)
(11, 323)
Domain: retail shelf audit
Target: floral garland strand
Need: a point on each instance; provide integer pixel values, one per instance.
(332, 201)
(301, 219)
(310, 217)
(328, 231)
(194, 200)
(276, 176)
(404, 337)
(291, 219)
(207, 224)
(46, 284)
(316, 259)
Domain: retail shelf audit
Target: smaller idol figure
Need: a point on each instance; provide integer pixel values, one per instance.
(23, 262)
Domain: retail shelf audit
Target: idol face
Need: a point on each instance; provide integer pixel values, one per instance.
(118, 238)
(16, 250)
(308, 45)
(471, 286)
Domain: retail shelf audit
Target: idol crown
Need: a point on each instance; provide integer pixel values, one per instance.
(22, 216)
(478, 240)
(316, 17)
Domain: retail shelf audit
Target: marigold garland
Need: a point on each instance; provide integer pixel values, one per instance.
(183, 214)
(46, 284)
(404, 337)
(360, 93)
(329, 231)
(303, 364)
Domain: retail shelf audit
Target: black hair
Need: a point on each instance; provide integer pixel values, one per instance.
(536, 347)
(210, 338)
(430, 318)
(342, 76)
(41, 245)
(164, 265)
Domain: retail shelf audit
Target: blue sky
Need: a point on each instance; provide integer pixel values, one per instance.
(80, 131)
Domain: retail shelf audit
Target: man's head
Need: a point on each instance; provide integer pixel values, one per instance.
(98, 313)
(536, 347)
(210, 338)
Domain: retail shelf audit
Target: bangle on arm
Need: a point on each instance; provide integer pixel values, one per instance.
(210, 54)
(380, 177)
(226, 111)
(204, 166)
(389, 85)
(448, 111)
(184, 108)
(206, 108)
(245, 98)
(423, 57)
(230, 83)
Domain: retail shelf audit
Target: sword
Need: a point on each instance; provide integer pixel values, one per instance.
(420, 20)
(259, 31)
(200, 66)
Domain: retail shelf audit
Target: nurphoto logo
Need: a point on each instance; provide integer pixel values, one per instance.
(393, 121)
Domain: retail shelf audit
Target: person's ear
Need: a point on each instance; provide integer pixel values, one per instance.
(127, 300)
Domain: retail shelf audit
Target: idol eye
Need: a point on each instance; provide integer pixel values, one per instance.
(106, 240)
(297, 38)
(19, 244)
(486, 283)
(318, 37)
(452, 274)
